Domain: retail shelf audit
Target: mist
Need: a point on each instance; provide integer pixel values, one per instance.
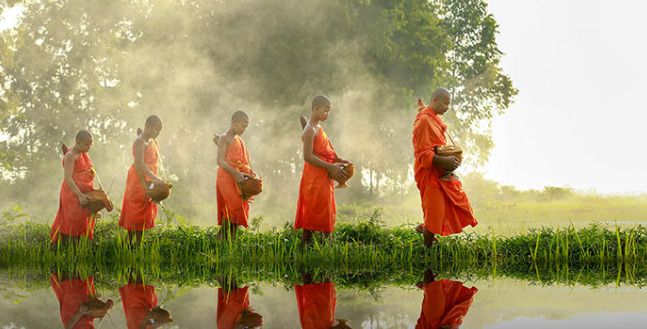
(106, 66)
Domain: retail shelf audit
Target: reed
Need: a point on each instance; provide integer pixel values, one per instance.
(360, 245)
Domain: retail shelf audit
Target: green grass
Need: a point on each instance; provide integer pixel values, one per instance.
(355, 247)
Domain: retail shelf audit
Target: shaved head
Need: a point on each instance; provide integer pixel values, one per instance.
(440, 93)
(321, 101)
(239, 116)
(83, 136)
(153, 120)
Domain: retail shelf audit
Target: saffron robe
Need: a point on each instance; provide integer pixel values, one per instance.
(72, 218)
(71, 294)
(138, 299)
(445, 303)
(316, 303)
(231, 205)
(138, 210)
(230, 307)
(316, 208)
(445, 205)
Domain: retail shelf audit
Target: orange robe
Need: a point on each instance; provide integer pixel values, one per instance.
(445, 303)
(230, 307)
(72, 218)
(71, 294)
(316, 303)
(316, 208)
(444, 203)
(138, 299)
(231, 205)
(138, 210)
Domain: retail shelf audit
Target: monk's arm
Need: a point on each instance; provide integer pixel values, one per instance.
(140, 166)
(425, 149)
(70, 159)
(334, 170)
(223, 144)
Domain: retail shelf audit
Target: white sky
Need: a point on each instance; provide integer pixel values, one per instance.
(579, 119)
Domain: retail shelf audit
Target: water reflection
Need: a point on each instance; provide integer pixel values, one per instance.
(79, 303)
(316, 302)
(445, 303)
(233, 306)
(140, 305)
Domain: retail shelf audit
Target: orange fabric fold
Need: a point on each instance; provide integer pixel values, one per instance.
(71, 294)
(230, 307)
(138, 299)
(445, 205)
(316, 303)
(72, 218)
(445, 303)
(138, 211)
(316, 208)
(231, 205)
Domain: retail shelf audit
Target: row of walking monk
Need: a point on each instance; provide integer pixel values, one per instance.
(444, 305)
(445, 205)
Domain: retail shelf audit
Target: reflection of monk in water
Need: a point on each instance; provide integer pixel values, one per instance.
(445, 303)
(140, 305)
(233, 307)
(78, 301)
(317, 303)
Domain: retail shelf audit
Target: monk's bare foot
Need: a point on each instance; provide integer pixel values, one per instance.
(420, 229)
(429, 239)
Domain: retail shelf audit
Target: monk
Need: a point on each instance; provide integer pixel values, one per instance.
(140, 305)
(445, 303)
(73, 220)
(316, 208)
(233, 307)
(445, 205)
(78, 301)
(138, 210)
(233, 165)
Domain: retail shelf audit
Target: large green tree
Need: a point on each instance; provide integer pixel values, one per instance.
(105, 65)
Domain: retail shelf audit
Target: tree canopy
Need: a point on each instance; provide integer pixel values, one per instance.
(105, 65)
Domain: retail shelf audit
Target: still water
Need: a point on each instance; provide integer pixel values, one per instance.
(431, 303)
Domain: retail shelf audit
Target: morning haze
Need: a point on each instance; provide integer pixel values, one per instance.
(105, 66)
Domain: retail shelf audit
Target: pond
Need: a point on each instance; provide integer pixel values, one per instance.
(313, 301)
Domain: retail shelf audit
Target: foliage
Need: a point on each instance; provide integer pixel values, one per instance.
(106, 65)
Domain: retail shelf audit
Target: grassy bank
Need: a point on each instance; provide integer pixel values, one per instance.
(365, 244)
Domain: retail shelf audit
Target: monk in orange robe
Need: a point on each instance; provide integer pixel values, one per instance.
(444, 202)
(73, 220)
(138, 210)
(316, 303)
(316, 208)
(445, 304)
(233, 307)
(140, 306)
(233, 163)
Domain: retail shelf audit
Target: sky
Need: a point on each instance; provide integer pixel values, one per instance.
(579, 118)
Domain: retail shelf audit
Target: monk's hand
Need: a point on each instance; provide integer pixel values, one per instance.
(216, 139)
(450, 163)
(83, 199)
(239, 177)
(336, 172)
